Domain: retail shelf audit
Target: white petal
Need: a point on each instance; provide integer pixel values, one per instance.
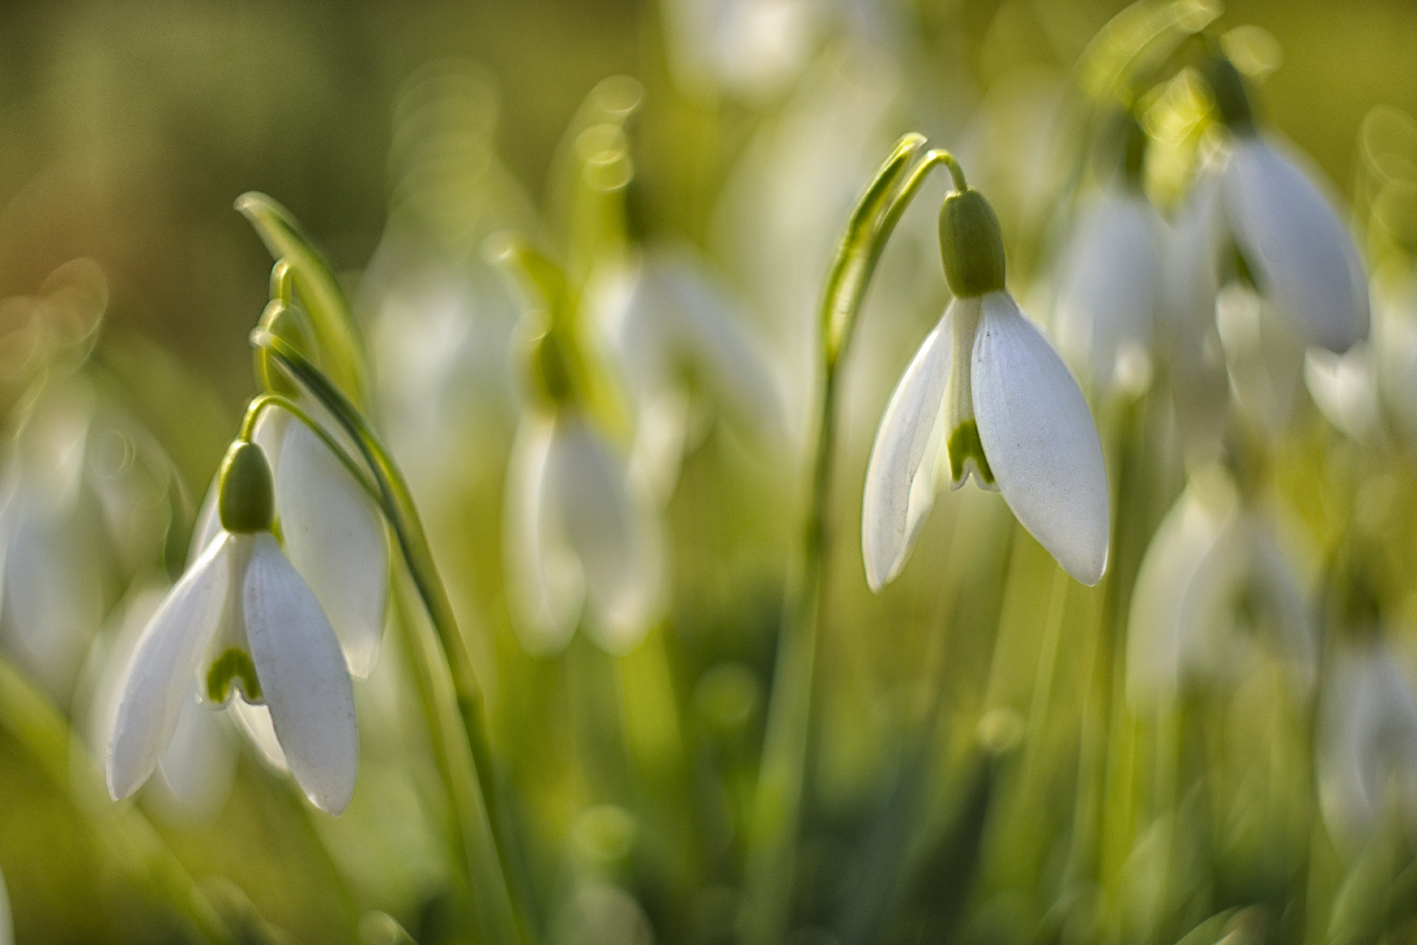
(1040, 440)
(164, 662)
(200, 761)
(1157, 637)
(207, 526)
(1302, 255)
(1345, 388)
(544, 578)
(613, 533)
(303, 677)
(1110, 285)
(255, 723)
(892, 504)
(336, 540)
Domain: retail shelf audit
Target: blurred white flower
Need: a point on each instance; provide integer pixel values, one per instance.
(987, 393)
(752, 48)
(579, 532)
(1212, 576)
(241, 623)
(330, 527)
(1367, 751)
(1344, 386)
(1297, 248)
(676, 333)
(1110, 288)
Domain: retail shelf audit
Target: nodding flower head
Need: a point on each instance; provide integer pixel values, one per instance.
(242, 624)
(987, 394)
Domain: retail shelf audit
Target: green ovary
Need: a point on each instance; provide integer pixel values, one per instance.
(964, 443)
(231, 665)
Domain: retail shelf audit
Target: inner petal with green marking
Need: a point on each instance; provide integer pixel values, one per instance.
(233, 667)
(964, 448)
(966, 454)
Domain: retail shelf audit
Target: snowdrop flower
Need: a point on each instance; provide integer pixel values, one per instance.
(748, 47)
(1213, 570)
(987, 393)
(1367, 753)
(672, 329)
(1285, 228)
(580, 531)
(330, 528)
(1110, 283)
(242, 624)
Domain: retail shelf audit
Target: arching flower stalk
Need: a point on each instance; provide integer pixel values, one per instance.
(987, 395)
(242, 624)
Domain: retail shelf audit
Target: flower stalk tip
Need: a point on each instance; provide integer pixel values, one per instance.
(247, 496)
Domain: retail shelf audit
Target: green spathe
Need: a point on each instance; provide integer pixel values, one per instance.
(247, 497)
(971, 245)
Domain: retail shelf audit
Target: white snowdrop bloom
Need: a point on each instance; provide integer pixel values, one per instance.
(1345, 387)
(580, 533)
(986, 393)
(1212, 576)
(747, 47)
(330, 528)
(1367, 751)
(241, 623)
(1286, 229)
(674, 331)
(1110, 288)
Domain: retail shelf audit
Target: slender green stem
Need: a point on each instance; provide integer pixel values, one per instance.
(262, 402)
(36, 725)
(450, 659)
(778, 801)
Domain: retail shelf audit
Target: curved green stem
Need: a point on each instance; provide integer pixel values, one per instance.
(778, 801)
(446, 670)
(261, 402)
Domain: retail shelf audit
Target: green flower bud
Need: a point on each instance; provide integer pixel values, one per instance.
(971, 245)
(1231, 101)
(246, 496)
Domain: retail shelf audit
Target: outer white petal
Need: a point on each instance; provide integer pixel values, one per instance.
(1110, 288)
(892, 506)
(1040, 440)
(336, 540)
(544, 577)
(1345, 388)
(200, 761)
(255, 723)
(613, 533)
(1290, 234)
(303, 676)
(1157, 641)
(1367, 743)
(164, 662)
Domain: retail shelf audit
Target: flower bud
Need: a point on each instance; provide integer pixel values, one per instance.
(247, 498)
(971, 245)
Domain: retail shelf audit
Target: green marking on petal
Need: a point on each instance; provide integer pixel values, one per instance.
(231, 665)
(965, 443)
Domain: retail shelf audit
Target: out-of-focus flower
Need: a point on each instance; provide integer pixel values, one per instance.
(1213, 575)
(988, 389)
(580, 532)
(751, 48)
(1110, 288)
(1367, 764)
(675, 333)
(241, 623)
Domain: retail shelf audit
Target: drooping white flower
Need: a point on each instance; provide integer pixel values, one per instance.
(1284, 227)
(242, 624)
(1367, 751)
(1212, 576)
(331, 530)
(674, 331)
(988, 389)
(748, 47)
(580, 533)
(1110, 288)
